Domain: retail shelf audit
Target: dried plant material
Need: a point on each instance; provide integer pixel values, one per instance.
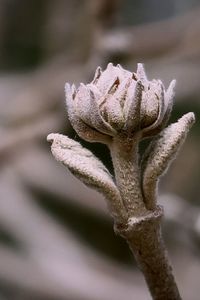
(89, 169)
(119, 108)
(161, 153)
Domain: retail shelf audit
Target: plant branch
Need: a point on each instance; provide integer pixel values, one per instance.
(143, 229)
(146, 243)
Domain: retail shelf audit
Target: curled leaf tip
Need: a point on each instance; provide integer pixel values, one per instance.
(141, 71)
(188, 118)
(110, 65)
(51, 137)
(172, 85)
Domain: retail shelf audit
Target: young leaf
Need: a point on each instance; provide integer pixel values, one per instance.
(160, 154)
(89, 169)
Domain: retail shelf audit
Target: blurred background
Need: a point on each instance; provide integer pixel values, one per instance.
(56, 237)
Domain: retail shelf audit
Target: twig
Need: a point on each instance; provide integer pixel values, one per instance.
(143, 232)
(119, 108)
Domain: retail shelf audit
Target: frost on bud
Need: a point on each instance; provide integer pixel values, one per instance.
(118, 102)
(89, 169)
(161, 153)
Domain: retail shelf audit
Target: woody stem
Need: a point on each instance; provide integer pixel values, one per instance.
(143, 228)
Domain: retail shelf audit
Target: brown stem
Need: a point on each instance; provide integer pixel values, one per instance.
(142, 230)
(149, 250)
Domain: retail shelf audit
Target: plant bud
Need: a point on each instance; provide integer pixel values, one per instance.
(117, 102)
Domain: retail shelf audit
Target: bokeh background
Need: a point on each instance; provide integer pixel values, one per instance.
(56, 237)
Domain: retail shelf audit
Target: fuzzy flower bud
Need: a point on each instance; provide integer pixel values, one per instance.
(118, 102)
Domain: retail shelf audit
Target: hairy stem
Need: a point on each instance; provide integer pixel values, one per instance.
(149, 250)
(142, 230)
(124, 155)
